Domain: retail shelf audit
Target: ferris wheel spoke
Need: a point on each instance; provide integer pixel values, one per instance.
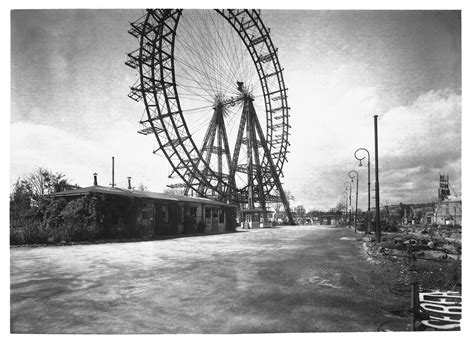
(211, 46)
(210, 60)
(221, 57)
(239, 66)
(230, 64)
(190, 57)
(200, 76)
(199, 42)
(186, 91)
(197, 109)
(198, 79)
(193, 98)
(194, 90)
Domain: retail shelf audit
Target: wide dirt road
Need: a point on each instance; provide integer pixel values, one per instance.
(287, 279)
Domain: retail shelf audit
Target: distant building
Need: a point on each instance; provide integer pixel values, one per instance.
(423, 213)
(144, 213)
(449, 212)
(329, 219)
(446, 212)
(277, 216)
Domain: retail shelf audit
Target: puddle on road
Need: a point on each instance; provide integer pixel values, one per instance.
(349, 239)
(320, 281)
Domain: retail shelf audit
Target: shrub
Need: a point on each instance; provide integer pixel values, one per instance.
(201, 227)
(74, 216)
(55, 220)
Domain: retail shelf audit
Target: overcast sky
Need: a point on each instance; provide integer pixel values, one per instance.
(70, 111)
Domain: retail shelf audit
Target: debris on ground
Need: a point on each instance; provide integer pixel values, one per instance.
(429, 255)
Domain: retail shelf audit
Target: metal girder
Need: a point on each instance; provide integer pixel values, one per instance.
(280, 109)
(267, 57)
(204, 145)
(245, 141)
(275, 175)
(176, 186)
(238, 145)
(210, 143)
(259, 178)
(266, 76)
(259, 39)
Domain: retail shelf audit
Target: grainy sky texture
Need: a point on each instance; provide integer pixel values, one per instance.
(70, 111)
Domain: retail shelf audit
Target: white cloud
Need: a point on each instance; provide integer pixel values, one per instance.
(429, 126)
(416, 142)
(35, 145)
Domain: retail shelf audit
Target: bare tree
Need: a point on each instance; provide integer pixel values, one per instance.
(300, 211)
(289, 196)
(341, 207)
(42, 182)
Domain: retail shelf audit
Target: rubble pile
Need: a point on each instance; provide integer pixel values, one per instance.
(429, 255)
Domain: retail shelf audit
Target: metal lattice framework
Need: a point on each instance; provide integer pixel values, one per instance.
(199, 71)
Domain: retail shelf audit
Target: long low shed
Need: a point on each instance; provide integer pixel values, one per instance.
(147, 213)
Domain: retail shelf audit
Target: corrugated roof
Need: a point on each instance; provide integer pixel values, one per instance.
(136, 193)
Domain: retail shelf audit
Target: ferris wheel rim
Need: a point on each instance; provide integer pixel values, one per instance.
(167, 143)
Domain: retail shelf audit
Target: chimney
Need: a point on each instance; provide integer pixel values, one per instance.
(129, 183)
(95, 179)
(113, 172)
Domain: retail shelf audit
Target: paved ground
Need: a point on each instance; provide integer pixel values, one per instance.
(287, 279)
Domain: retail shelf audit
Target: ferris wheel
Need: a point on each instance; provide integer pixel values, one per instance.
(216, 102)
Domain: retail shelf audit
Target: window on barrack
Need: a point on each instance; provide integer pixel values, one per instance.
(221, 216)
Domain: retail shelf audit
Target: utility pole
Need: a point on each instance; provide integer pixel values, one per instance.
(377, 194)
(351, 175)
(113, 172)
(349, 185)
(369, 217)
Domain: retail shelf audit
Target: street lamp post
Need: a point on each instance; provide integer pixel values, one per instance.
(377, 194)
(351, 175)
(349, 185)
(344, 204)
(368, 183)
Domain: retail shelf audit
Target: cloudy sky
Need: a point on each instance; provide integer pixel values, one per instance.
(70, 111)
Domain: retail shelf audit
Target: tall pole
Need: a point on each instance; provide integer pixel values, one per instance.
(351, 175)
(377, 196)
(113, 172)
(357, 201)
(369, 214)
(350, 205)
(369, 217)
(347, 184)
(345, 204)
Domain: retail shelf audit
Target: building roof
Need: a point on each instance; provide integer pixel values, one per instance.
(136, 193)
(451, 199)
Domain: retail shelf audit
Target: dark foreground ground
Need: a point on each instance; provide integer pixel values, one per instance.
(287, 279)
